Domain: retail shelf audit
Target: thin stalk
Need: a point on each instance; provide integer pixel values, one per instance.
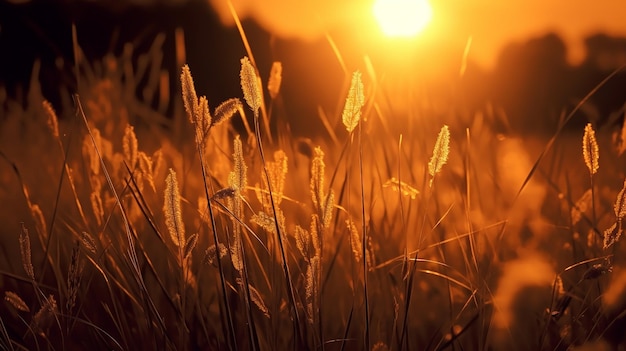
(593, 209)
(364, 243)
(183, 302)
(229, 317)
(291, 295)
(409, 286)
(401, 204)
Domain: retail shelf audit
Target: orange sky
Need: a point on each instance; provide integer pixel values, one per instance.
(491, 24)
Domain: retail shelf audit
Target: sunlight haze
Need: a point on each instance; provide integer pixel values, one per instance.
(491, 24)
(402, 18)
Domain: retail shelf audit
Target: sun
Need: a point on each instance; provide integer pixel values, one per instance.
(402, 18)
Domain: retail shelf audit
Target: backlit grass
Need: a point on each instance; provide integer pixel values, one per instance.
(126, 227)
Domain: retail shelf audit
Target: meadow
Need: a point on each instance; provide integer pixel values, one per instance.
(138, 220)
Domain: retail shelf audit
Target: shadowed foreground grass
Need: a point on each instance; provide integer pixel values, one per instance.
(124, 229)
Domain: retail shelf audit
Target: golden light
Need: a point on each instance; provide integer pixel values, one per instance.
(402, 18)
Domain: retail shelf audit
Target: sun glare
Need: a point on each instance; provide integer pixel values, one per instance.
(402, 18)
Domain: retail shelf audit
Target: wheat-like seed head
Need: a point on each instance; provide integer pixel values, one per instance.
(139, 181)
(45, 316)
(250, 85)
(612, 235)
(171, 208)
(204, 118)
(311, 287)
(130, 146)
(267, 221)
(371, 252)
(89, 150)
(222, 194)
(264, 221)
(302, 241)
(53, 121)
(74, 277)
(145, 165)
(192, 241)
(355, 240)
(440, 152)
(620, 203)
(89, 243)
(16, 301)
(237, 179)
(402, 187)
(212, 252)
(315, 235)
(257, 299)
(277, 172)
(354, 102)
(329, 206)
(591, 152)
(276, 77)
(317, 177)
(236, 253)
(226, 110)
(190, 99)
(26, 253)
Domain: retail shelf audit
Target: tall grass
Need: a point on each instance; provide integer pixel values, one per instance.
(377, 234)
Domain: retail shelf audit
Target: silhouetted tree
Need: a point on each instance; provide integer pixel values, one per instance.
(531, 82)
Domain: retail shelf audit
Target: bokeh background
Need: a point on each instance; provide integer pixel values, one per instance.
(533, 59)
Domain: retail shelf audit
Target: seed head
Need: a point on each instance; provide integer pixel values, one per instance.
(440, 152)
(590, 149)
(354, 102)
(53, 121)
(130, 146)
(276, 77)
(250, 85)
(171, 208)
(190, 99)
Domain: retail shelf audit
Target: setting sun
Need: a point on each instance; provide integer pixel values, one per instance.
(402, 18)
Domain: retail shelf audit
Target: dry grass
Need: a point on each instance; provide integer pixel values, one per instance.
(425, 233)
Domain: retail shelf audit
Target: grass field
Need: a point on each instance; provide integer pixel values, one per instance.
(126, 226)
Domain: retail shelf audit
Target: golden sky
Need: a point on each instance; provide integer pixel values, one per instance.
(491, 24)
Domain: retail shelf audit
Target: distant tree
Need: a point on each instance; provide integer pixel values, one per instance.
(531, 82)
(604, 55)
